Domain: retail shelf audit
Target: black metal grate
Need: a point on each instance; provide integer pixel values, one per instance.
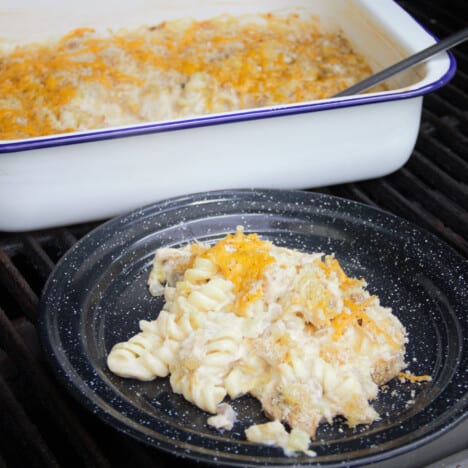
(432, 189)
(40, 425)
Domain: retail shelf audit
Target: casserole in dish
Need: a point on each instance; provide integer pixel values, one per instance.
(92, 174)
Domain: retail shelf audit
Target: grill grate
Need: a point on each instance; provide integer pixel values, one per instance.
(42, 426)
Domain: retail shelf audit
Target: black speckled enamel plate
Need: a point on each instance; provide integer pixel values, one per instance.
(97, 295)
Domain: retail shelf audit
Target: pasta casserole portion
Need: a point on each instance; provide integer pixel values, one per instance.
(88, 79)
(244, 316)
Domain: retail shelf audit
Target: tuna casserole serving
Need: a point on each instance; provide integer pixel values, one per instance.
(245, 316)
(88, 80)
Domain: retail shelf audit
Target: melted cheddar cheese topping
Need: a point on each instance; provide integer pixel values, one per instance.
(242, 259)
(177, 68)
(414, 378)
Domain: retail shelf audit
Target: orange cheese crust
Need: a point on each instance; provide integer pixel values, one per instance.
(87, 80)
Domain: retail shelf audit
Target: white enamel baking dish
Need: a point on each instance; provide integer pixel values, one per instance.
(82, 176)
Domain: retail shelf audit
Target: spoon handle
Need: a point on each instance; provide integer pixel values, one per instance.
(406, 63)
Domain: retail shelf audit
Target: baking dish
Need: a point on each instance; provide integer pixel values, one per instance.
(81, 176)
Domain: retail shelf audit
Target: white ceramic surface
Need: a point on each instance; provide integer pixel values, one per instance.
(59, 180)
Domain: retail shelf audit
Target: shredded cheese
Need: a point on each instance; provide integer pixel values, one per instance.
(414, 378)
(237, 62)
(355, 311)
(242, 260)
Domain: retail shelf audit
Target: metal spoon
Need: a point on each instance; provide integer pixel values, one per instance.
(411, 61)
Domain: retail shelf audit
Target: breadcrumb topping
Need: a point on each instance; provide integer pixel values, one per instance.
(89, 80)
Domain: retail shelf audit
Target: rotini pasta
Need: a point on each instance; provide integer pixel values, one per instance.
(290, 328)
(145, 356)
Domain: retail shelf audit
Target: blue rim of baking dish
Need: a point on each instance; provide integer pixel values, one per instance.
(10, 146)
